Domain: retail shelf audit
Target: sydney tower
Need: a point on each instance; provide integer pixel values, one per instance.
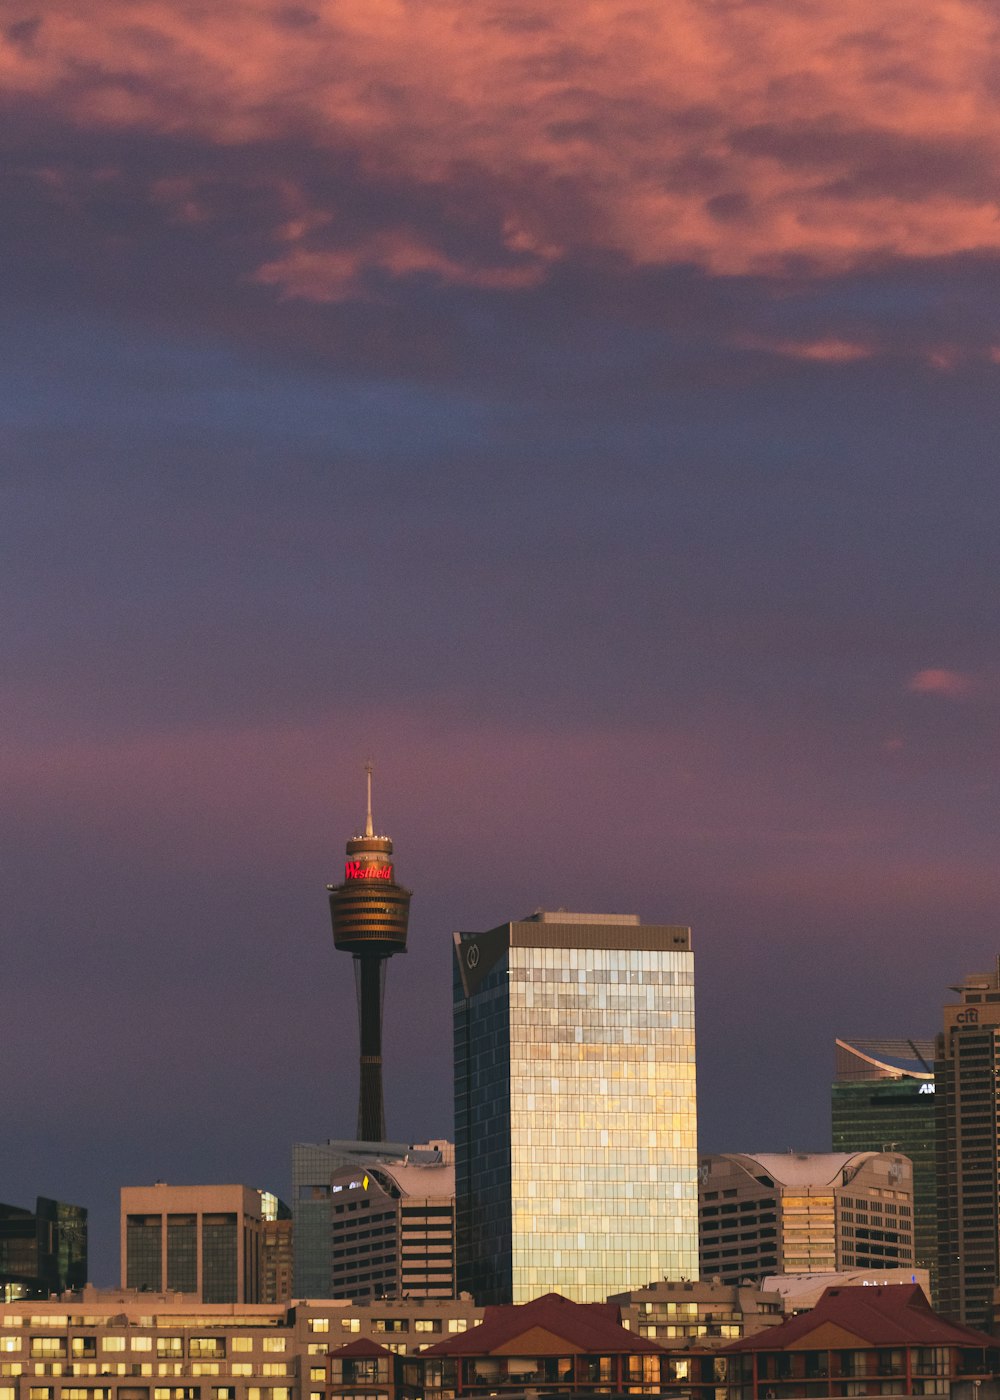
(370, 912)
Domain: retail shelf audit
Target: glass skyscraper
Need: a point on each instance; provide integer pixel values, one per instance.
(575, 1130)
(883, 1101)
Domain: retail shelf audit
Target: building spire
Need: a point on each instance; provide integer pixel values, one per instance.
(369, 828)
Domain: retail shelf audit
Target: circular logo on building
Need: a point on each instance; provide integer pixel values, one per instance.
(472, 956)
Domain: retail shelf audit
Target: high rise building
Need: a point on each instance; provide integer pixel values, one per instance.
(967, 1079)
(42, 1252)
(882, 1100)
(370, 913)
(202, 1240)
(575, 1133)
(320, 1171)
(803, 1213)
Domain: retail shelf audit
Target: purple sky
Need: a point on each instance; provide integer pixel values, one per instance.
(590, 414)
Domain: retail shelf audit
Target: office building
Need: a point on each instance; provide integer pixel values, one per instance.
(967, 1076)
(277, 1250)
(575, 1146)
(370, 913)
(393, 1230)
(203, 1240)
(319, 1171)
(42, 1252)
(882, 1100)
(803, 1213)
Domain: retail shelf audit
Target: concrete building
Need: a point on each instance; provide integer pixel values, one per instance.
(575, 1146)
(321, 1175)
(393, 1230)
(123, 1345)
(704, 1314)
(43, 1251)
(883, 1100)
(803, 1212)
(967, 1077)
(206, 1241)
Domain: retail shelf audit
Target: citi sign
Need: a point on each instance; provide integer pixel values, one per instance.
(354, 870)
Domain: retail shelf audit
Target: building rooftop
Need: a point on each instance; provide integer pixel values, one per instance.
(883, 1315)
(802, 1168)
(549, 1326)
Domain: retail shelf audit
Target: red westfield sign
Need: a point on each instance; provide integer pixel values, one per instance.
(354, 870)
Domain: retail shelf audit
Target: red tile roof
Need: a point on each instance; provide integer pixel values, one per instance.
(883, 1315)
(363, 1348)
(593, 1328)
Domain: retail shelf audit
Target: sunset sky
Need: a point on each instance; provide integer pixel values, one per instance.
(587, 409)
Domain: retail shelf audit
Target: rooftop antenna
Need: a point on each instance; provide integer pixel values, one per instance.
(369, 828)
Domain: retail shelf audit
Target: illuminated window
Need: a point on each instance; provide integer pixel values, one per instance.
(274, 1368)
(112, 1343)
(241, 1344)
(142, 1344)
(319, 1324)
(274, 1343)
(10, 1344)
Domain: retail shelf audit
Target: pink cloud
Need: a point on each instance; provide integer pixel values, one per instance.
(733, 137)
(829, 350)
(954, 685)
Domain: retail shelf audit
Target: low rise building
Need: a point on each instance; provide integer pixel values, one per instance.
(706, 1314)
(884, 1340)
(116, 1344)
(549, 1346)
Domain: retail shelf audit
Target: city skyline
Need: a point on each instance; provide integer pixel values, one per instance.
(591, 415)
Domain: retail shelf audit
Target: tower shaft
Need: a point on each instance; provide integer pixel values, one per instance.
(370, 975)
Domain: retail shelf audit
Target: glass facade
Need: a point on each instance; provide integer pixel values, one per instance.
(576, 1156)
(870, 1115)
(182, 1254)
(219, 1259)
(143, 1250)
(42, 1252)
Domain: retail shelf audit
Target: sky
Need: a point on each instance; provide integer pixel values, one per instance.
(589, 411)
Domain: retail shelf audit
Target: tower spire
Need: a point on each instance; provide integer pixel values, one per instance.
(369, 828)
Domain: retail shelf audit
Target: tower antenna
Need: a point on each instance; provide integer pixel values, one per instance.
(369, 828)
